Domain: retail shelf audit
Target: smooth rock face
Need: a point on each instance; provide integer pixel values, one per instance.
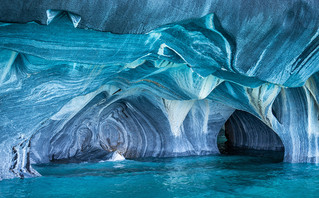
(134, 126)
(70, 94)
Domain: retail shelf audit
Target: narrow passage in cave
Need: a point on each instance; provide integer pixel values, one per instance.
(244, 134)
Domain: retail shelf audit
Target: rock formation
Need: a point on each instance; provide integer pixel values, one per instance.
(80, 80)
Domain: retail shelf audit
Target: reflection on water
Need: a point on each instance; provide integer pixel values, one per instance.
(218, 176)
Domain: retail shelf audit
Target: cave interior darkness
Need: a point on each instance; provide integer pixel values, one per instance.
(244, 134)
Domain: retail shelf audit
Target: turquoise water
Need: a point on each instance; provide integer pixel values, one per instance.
(206, 176)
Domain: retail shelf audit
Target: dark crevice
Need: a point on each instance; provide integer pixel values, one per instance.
(277, 109)
(244, 134)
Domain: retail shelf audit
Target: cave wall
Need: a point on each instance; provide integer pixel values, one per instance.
(68, 91)
(135, 126)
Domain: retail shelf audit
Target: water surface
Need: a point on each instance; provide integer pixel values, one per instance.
(206, 176)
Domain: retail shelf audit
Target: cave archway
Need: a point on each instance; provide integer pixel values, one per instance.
(245, 134)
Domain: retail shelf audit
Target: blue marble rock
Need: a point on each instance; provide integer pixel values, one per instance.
(87, 81)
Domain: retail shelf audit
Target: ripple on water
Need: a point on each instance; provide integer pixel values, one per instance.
(217, 176)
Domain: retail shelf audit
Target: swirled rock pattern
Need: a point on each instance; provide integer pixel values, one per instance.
(135, 126)
(72, 94)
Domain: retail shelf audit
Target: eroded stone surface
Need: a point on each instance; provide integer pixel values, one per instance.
(73, 94)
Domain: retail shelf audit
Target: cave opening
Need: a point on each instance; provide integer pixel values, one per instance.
(245, 135)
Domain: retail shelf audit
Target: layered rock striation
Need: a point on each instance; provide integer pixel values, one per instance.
(146, 84)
